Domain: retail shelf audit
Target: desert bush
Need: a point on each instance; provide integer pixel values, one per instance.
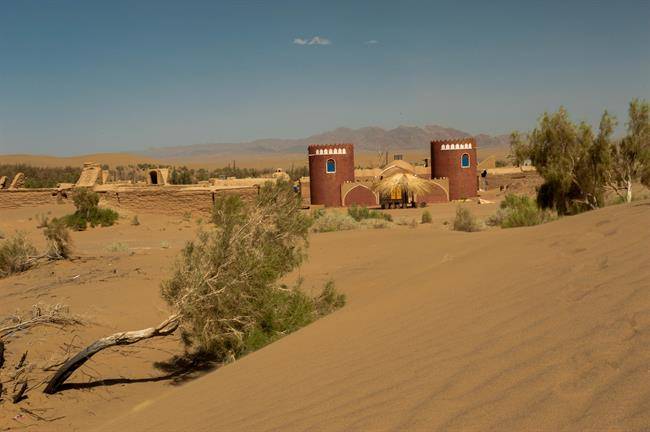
(135, 221)
(410, 222)
(334, 221)
(225, 283)
(465, 220)
(359, 213)
(59, 243)
(117, 247)
(500, 163)
(16, 254)
(518, 211)
(287, 310)
(316, 213)
(89, 212)
(426, 217)
(375, 223)
(42, 221)
(164, 244)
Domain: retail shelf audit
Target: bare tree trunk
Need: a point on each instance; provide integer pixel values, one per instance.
(628, 190)
(165, 328)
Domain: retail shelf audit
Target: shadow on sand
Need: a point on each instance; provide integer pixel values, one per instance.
(179, 369)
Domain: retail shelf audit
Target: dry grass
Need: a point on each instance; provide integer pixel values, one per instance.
(465, 221)
(16, 254)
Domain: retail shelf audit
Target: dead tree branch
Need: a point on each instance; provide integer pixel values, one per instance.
(165, 328)
(57, 314)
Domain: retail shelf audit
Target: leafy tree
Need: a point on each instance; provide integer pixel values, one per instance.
(631, 156)
(573, 162)
(88, 211)
(225, 287)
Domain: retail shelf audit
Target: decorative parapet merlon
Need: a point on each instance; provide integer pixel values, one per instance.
(329, 149)
(455, 144)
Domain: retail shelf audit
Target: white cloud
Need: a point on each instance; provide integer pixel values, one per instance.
(316, 40)
(371, 42)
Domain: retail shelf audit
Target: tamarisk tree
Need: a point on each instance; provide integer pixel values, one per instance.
(631, 155)
(224, 292)
(578, 166)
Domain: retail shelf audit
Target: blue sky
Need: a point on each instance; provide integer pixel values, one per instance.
(88, 76)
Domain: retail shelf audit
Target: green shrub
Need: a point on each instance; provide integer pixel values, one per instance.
(225, 284)
(500, 163)
(88, 212)
(426, 217)
(359, 213)
(59, 244)
(16, 255)
(517, 211)
(465, 220)
(334, 221)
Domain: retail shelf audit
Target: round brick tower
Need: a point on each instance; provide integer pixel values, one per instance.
(456, 160)
(329, 167)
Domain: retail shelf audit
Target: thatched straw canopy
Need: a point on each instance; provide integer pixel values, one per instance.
(396, 167)
(406, 182)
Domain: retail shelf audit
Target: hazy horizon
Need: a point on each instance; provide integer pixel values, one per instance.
(86, 77)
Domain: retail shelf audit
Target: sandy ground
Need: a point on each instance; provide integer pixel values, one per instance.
(543, 328)
(279, 160)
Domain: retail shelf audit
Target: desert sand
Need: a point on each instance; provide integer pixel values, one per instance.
(258, 161)
(544, 328)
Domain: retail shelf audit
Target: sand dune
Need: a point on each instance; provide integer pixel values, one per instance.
(544, 328)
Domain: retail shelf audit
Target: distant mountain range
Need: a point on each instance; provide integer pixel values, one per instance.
(364, 139)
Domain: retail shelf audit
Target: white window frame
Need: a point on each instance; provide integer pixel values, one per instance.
(469, 161)
(327, 167)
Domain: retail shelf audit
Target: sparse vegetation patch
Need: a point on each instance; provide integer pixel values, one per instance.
(465, 220)
(359, 213)
(518, 211)
(16, 254)
(88, 212)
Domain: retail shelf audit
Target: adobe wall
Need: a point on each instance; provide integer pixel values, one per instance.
(325, 188)
(170, 200)
(446, 162)
(16, 198)
(358, 194)
(438, 194)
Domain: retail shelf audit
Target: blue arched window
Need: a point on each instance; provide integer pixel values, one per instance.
(464, 160)
(331, 166)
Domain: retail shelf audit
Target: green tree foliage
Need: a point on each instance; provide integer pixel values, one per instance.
(88, 211)
(225, 284)
(41, 177)
(631, 155)
(579, 166)
(517, 211)
(572, 161)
